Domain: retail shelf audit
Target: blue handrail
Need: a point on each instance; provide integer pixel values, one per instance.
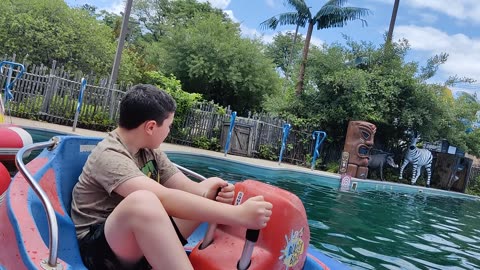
(286, 130)
(9, 82)
(83, 85)
(319, 137)
(232, 124)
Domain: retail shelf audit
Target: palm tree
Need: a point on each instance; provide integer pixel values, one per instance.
(298, 18)
(332, 14)
(392, 21)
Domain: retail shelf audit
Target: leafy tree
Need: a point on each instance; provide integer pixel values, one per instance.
(280, 50)
(158, 17)
(210, 57)
(383, 89)
(171, 85)
(332, 14)
(47, 30)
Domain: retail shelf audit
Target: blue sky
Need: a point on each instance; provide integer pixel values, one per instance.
(431, 27)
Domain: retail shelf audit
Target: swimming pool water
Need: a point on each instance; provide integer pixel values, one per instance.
(370, 229)
(42, 135)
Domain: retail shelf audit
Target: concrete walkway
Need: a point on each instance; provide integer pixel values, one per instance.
(166, 146)
(252, 161)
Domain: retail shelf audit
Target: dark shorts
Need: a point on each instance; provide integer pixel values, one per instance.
(97, 254)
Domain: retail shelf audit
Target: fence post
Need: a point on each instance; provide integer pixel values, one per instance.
(50, 88)
(113, 103)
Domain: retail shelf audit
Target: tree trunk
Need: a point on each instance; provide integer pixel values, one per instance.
(289, 63)
(301, 73)
(392, 21)
(287, 67)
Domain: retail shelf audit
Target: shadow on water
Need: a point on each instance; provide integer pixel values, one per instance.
(372, 229)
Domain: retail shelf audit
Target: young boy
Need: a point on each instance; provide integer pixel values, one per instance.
(126, 220)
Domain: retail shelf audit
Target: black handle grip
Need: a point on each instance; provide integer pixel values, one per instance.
(252, 235)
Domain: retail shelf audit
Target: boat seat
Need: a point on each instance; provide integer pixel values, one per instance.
(57, 172)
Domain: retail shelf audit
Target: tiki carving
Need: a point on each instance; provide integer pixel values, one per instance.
(358, 142)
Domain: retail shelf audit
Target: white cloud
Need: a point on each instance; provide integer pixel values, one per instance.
(221, 4)
(270, 3)
(317, 42)
(253, 33)
(464, 52)
(429, 18)
(117, 7)
(230, 15)
(463, 10)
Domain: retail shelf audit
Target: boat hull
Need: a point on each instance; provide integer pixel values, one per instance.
(24, 228)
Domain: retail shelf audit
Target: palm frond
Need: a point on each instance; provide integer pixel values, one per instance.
(338, 3)
(335, 16)
(299, 5)
(271, 23)
(287, 18)
(293, 18)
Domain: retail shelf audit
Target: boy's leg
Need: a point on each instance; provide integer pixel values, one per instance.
(139, 226)
(186, 227)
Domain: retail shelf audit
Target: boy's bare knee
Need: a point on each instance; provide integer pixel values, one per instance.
(144, 205)
(142, 196)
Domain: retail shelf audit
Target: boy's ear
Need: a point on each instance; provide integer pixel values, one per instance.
(150, 125)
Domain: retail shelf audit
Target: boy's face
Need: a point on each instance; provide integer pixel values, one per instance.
(159, 133)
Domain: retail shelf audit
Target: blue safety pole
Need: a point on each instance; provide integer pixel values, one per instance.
(83, 85)
(286, 130)
(319, 137)
(232, 124)
(9, 82)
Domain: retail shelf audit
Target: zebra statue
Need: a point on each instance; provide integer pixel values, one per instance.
(418, 158)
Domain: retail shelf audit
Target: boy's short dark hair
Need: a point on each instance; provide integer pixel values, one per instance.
(144, 102)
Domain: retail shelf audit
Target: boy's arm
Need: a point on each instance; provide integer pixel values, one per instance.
(253, 213)
(207, 188)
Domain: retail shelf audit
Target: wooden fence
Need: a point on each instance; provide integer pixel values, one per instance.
(474, 179)
(257, 135)
(51, 94)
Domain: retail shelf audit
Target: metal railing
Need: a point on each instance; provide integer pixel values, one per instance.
(47, 205)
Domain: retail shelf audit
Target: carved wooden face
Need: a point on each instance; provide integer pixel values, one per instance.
(359, 141)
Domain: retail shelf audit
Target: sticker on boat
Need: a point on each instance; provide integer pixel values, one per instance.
(86, 147)
(294, 248)
(238, 200)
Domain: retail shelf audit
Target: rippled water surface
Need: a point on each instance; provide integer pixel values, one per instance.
(372, 229)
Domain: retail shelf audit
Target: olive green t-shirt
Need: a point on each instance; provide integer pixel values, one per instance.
(109, 165)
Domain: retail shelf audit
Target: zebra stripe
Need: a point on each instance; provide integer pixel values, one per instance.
(418, 158)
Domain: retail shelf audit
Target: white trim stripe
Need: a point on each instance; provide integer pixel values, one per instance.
(24, 135)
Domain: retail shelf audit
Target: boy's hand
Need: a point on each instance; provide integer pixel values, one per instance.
(226, 194)
(212, 185)
(255, 213)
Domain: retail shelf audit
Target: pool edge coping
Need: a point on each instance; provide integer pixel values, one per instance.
(418, 189)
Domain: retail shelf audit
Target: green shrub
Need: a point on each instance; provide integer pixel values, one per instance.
(474, 186)
(268, 152)
(203, 142)
(332, 167)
